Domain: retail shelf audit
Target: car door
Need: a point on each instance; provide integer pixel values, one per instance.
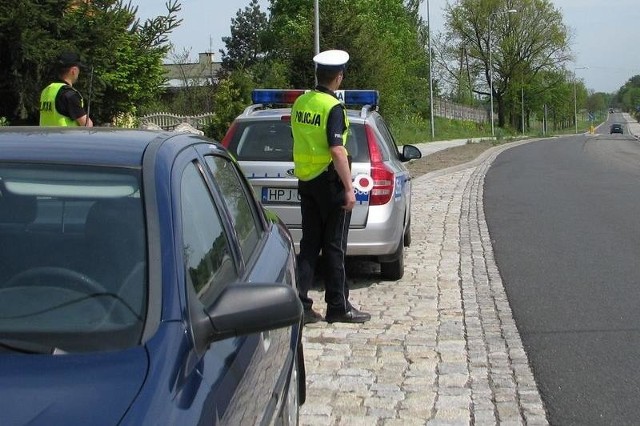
(222, 234)
(262, 261)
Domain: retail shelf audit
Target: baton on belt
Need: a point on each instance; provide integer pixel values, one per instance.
(90, 93)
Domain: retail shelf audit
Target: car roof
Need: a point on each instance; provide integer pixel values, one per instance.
(96, 146)
(261, 112)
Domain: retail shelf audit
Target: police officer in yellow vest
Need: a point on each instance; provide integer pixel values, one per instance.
(60, 103)
(320, 126)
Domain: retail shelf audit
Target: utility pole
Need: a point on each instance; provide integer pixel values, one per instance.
(316, 44)
(433, 132)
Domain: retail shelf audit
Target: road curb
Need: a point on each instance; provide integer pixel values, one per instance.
(478, 160)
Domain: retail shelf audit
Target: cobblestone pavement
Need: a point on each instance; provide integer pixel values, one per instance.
(442, 347)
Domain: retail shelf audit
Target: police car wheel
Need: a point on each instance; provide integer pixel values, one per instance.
(394, 270)
(407, 235)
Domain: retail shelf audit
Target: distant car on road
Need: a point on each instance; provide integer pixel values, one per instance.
(262, 142)
(616, 128)
(141, 283)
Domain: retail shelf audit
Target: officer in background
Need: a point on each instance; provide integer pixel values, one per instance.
(60, 103)
(320, 126)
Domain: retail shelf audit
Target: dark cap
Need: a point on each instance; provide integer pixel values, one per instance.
(69, 59)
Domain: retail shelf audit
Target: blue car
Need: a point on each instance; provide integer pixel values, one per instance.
(141, 283)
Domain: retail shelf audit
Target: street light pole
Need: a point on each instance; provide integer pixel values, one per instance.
(316, 14)
(433, 132)
(575, 97)
(316, 44)
(493, 132)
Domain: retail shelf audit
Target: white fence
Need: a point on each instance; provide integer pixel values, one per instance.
(441, 108)
(448, 109)
(168, 121)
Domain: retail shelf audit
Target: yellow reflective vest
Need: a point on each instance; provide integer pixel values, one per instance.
(309, 117)
(49, 115)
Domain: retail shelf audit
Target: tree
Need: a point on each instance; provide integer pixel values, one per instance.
(244, 48)
(386, 44)
(27, 29)
(246, 60)
(124, 54)
(628, 97)
(522, 45)
(227, 105)
(597, 101)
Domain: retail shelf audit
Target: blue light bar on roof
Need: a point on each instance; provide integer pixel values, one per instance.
(275, 96)
(288, 96)
(358, 97)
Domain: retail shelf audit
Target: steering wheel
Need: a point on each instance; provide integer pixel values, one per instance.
(73, 280)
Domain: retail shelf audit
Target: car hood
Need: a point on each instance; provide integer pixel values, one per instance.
(70, 389)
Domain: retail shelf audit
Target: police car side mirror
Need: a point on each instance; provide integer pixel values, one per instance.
(410, 152)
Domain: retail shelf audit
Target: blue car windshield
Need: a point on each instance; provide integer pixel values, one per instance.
(74, 264)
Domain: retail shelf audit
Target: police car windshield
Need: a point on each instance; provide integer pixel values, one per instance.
(273, 141)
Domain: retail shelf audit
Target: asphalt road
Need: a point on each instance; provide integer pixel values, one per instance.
(564, 217)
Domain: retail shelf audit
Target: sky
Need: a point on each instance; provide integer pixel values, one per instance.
(604, 33)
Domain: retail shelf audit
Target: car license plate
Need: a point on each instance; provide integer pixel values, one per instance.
(280, 195)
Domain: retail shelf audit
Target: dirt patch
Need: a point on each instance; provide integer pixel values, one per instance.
(448, 157)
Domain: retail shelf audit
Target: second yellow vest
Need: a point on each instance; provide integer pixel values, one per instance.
(49, 115)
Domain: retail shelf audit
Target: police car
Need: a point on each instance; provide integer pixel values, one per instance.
(261, 140)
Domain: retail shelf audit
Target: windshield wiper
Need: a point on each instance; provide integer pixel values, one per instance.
(20, 346)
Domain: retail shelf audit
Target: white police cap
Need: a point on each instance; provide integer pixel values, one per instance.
(332, 59)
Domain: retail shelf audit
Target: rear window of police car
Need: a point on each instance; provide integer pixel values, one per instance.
(273, 141)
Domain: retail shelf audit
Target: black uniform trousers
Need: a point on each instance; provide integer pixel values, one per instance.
(325, 226)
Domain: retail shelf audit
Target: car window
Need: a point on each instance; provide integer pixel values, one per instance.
(206, 249)
(271, 140)
(263, 141)
(357, 145)
(73, 250)
(389, 141)
(236, 197)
